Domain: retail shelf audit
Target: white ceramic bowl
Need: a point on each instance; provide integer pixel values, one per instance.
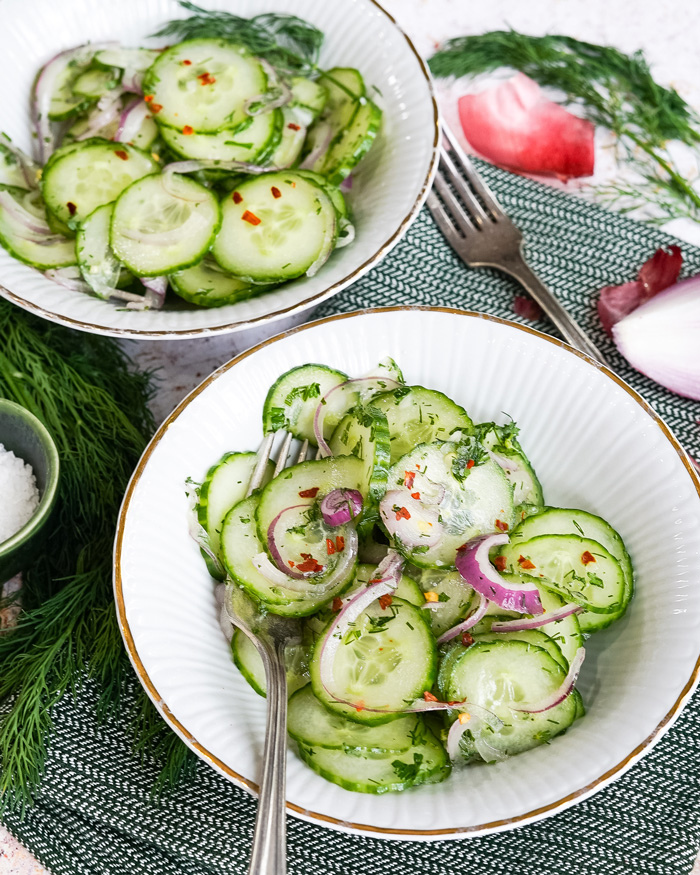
(595, 445)
(387, 191)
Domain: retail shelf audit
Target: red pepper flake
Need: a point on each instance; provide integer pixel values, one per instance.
(527, 564)
(188, 130)
(291, 563)
(206, 79)
(385, 601)
(330, 546)
(252, 219)
(470, 464)
(429, 697)
(293, 126)
(340, 543)
(417, 466)
(467, 639)
(409, 477)
(187, 63)
(309, 564)
(305, 493)
(148, 98)
(402, 513)
(501, 526)
(156, 108)
(275, 192)
(71, 208)
(587, 558)
(360, 706)
(122, 154)
(237, 197)
(336, 604)
(499, 563)
(416, 495)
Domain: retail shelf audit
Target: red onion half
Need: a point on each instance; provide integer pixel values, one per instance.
(340, 506)
(560, 694)
(475, 567)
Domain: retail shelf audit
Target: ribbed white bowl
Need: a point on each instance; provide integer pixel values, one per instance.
(387, 191)
(595, 445)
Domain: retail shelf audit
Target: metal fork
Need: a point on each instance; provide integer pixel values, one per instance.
(271, 635)
(475, 226)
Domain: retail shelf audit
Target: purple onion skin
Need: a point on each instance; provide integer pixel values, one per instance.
(480, 574)
(340, 506)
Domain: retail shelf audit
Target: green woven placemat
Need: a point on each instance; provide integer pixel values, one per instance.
(95, 815)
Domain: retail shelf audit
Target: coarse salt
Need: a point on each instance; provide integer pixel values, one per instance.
(19, 496)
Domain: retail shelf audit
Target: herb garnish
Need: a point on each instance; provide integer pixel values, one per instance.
(408, 771)
(614, 90)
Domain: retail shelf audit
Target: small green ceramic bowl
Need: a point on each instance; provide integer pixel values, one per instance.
(21, 432)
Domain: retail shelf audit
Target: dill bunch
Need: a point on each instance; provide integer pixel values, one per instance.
(286, 41)
(96, 408)
(614, 90)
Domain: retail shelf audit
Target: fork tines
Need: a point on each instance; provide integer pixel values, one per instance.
(283, 457)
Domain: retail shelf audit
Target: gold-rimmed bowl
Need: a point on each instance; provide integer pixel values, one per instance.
(387, 191)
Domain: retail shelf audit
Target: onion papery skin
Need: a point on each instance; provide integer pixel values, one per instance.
(471, 621)
(660, 338)
(558, 696)
(473, 564)
(340, 506)
(524, 623)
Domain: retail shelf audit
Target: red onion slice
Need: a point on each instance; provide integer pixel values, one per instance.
(340, 506)
(478, 719)
(410, 520)
(154, 299)
(385, 581)
(131, 120)
(68, 281)
(266, 101)
(106, 111)
(325, 135)
(196, 164)
(28, 167)
(23, 217)
(274, 549)
(523, 623)
(560, 694)
(467, 624)
(197, 531)
(475, 567)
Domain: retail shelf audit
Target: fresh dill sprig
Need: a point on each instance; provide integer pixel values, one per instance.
(96, 407)
(286, 41)
(614, 90)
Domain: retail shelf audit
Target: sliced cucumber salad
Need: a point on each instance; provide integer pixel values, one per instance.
(201, 169)
(443, 605)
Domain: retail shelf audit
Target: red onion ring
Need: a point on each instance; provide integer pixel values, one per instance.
(28, 167)
(321, 148)
(467, 624)
(340, 506)
(521, 623)
(478, 718)
(564, 690)
(198, 533)
(473, 564)
(196, 164)
(274, 549)
(105, 112)
(422, 527)
(156, 287)
(31, 223)
(132, 117)
(320, 412)
(267, 104)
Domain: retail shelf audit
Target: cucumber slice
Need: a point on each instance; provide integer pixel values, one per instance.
(531, 637)
(43, 253)
(207, 285)
(275, 227)
(252, 138)
(343, 84)
(422, 764)
(417, 415)
(224, 486)
(292, 400)
(352, 143)
(407, 589)
(249, 662)
(291, 141)
(308, 95)
(208, 93)
(570, 521)
(388, 659)
(502, 444)
(95, 82)
(456, 598)
(333, 192)
(240, 544)
(578, 569)
(159, 228)
(100, 268)
(138, 60)
(10, 170)
(312, 725)
(83, 176)
(432, 490)
(500, 676)
(65, 103)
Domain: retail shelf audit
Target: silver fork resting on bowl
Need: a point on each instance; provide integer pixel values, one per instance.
(270, 636)
(475, 226)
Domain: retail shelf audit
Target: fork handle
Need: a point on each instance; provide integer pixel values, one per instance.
(571, 332)
(269, 852)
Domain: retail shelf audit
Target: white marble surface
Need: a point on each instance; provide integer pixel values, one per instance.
(667, 32)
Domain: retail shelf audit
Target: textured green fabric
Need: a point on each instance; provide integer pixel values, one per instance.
(95, 815)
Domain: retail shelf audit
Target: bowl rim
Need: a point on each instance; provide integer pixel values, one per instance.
(291, 310)
(50, 493)
(324, 819)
